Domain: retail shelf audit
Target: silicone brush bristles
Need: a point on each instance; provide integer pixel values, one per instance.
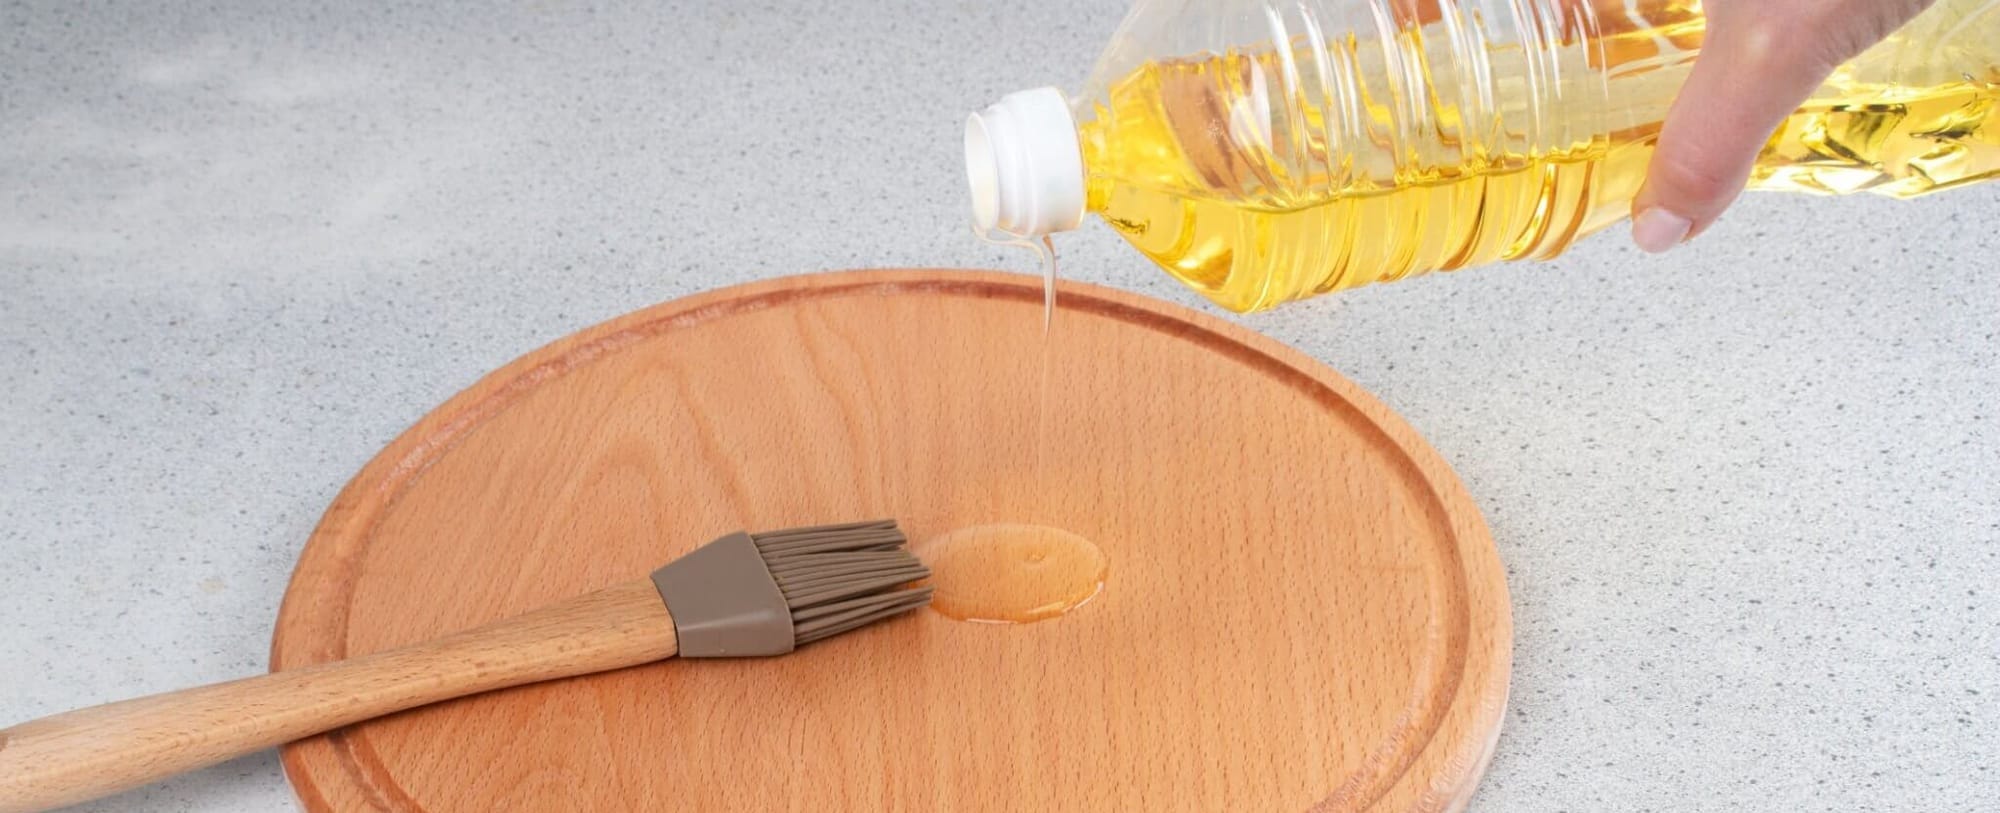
(837, 578)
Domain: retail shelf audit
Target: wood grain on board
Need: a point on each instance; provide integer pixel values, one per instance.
(1303, 608)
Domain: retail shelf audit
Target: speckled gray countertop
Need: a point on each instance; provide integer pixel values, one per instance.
(1748, 494)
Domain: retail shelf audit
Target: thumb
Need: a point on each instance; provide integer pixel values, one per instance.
(1746, 81)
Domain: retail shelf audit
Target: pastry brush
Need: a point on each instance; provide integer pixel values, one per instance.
(741, 595)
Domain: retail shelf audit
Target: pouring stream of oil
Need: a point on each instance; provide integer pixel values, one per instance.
(1044, 250)
(1016, 572)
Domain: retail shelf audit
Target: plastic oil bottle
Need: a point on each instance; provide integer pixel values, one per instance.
(1263, 151)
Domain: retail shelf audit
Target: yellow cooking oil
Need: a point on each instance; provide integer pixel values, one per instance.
(1264, 176)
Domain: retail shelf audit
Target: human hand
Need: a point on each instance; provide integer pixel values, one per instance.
(1760, 60)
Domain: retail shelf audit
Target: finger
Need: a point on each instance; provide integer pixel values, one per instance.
(1747, 80)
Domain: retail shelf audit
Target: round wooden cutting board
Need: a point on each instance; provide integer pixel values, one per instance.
(1303, 610)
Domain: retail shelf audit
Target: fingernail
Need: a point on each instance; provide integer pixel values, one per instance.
(1657, 230)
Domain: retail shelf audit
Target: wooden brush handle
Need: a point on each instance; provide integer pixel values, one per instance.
(96, 751)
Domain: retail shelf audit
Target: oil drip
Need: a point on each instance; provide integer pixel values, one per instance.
(1016, 573)
(1044, 250)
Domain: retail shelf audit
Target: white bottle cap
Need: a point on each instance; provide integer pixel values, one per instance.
(1025, 166)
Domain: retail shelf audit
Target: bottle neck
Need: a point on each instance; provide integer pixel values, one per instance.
(1024, 165)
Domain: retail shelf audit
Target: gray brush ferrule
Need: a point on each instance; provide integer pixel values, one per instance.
(724, 601)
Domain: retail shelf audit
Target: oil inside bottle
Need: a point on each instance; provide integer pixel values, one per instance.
(1256, 179)
(1012, 573)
